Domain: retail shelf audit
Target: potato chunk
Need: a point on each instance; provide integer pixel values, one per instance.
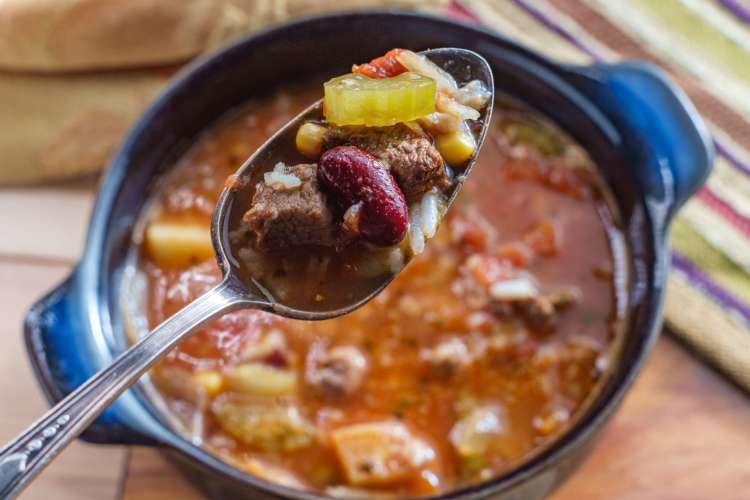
(260, 379)
(178, 244)
(380, 453)
(479, 432)
(268, 424)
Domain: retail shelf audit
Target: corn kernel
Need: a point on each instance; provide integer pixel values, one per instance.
(309, 139)
(456, 148)
(210, 381)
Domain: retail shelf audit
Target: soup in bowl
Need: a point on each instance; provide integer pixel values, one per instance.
(481, 352)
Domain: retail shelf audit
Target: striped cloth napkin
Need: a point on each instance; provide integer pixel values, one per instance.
(705, 45)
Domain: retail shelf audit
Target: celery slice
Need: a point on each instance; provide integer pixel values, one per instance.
(378, 102)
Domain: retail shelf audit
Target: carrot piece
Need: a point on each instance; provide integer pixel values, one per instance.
(381, 67)
(517, 253)
(544, 239)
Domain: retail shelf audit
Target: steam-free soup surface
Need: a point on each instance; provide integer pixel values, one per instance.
(480, 352)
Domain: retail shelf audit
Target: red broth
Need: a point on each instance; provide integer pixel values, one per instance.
(461, 385)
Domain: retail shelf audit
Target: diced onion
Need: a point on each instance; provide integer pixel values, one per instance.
(474, 95)
(520, 288)
(447, 104)
(279, 180)
(420, 64)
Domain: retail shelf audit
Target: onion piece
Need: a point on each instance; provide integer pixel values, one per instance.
(447, 104)
(420, 64)
(520, 288)
(473, 95)
(279, 180)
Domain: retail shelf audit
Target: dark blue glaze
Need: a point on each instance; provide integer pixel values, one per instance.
(651, 146)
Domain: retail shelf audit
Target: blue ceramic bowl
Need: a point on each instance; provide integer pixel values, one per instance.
(652, 147)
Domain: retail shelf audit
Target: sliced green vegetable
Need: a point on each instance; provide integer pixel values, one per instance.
(358, 100)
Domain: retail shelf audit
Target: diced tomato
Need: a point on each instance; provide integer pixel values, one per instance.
(277, 359)
(487, 269)
(473, 237)
(517, 253)
(544, 239)
(525, 348)
(381, 67)
(563, 179)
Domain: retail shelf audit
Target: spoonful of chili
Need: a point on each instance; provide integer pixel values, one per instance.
(317, 221)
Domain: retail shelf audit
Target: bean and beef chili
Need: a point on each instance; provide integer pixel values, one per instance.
(338, 204)
(480, 352)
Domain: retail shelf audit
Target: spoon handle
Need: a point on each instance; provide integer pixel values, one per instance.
(23, 458)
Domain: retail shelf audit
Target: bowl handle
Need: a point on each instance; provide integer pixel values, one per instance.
(663, 136)
(60, 356)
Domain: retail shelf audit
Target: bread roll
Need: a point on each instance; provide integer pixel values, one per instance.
(77, 35)
(55, 127)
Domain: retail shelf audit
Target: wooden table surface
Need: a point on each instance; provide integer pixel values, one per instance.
(683, 432)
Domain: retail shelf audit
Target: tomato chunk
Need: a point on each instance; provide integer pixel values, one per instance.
(381, 67)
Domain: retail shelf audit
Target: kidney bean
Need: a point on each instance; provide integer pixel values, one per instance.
(356, 177)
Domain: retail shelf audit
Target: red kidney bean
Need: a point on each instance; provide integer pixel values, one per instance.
(354, 176)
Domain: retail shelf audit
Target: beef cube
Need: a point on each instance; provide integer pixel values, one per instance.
(336, 372)
(288, 209)
(409, 153)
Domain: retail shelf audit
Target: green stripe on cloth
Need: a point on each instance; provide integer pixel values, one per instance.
(697, 33)
(507, 18)
(667, 43)
(712, 261)
(705, 325)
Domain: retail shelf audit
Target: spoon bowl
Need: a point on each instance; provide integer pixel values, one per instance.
(24, 457)
(463, 65)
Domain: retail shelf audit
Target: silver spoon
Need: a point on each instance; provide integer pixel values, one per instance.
(24, 457)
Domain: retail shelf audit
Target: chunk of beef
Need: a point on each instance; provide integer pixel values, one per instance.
(543, 311)
(335, 372)
(409, 153)
(539, 310)
(288, 213)
(447, 356)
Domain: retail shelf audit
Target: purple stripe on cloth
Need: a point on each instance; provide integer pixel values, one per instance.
(739, 11)
(716, 292)
(563, 32)
(553, 25)
(731, 158)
